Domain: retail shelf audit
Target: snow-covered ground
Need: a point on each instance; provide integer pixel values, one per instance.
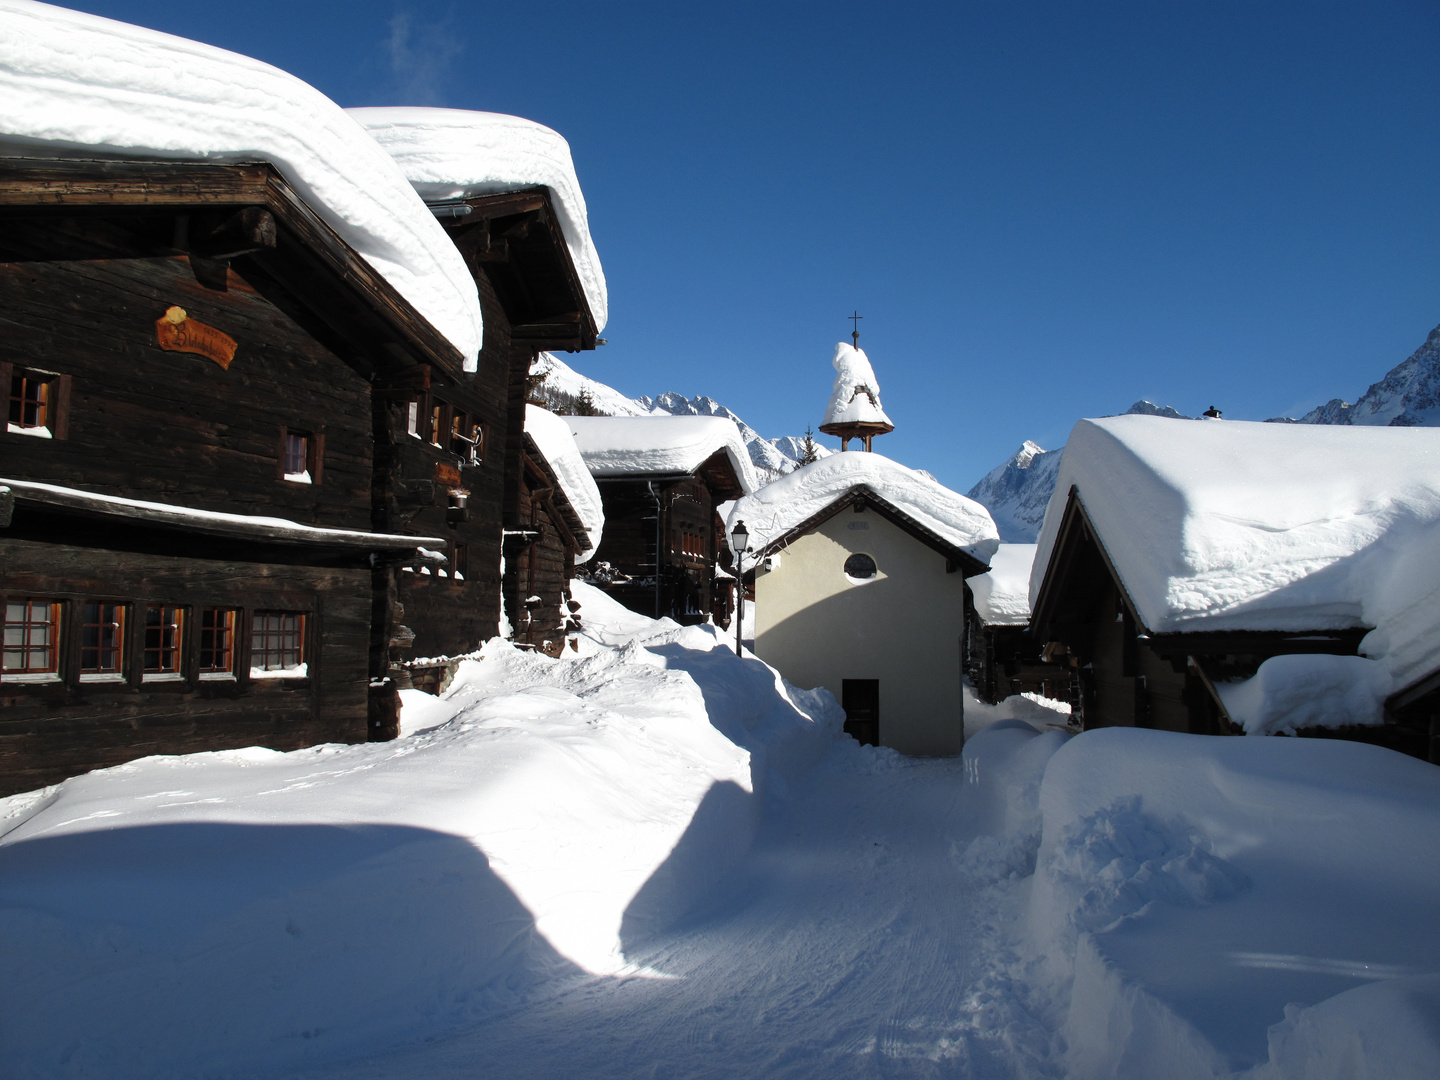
(654, 858)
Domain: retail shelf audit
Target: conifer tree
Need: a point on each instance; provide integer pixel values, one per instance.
(809, 452)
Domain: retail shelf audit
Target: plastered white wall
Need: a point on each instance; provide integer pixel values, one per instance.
(903, 627)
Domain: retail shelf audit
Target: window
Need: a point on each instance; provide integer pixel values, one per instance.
(297, 455)
(36, 401)
(217, 643)
(32, 640)
(102, 642)
(438, 426)
(860, 568)
(164, 642)
(459, 561)
(300, 456)
(412, 419)
(277, 645)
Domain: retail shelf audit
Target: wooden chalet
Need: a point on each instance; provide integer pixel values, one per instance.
(532, 301)
(1182, 555)
(553, 534)
(1126, 675)
(452, 444)
(1002, 656)
(201, 531)
(661, 479)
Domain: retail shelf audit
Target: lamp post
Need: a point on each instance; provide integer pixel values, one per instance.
(739, 544)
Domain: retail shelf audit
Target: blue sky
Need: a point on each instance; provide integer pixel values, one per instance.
(1043, 210)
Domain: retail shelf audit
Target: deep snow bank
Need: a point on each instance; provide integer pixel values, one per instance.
(1195, 891)
(251, 910)
(78, 85)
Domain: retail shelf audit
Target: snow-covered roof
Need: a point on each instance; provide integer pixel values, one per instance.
(1228, 525)
(649, 445)
(250, 526)
(1002, 597)
(552, 435)
(77, 85)
(855, 397)
(457, 154)
(777, 508)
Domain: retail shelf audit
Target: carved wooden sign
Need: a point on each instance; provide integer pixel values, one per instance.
(177, 332)
(448, 475)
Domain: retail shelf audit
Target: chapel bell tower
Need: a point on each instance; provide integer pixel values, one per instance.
(854, 411)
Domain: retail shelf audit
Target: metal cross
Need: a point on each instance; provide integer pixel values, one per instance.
(855, 321)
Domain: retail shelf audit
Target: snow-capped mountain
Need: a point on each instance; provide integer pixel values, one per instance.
(1017, 491)
(1409, 396)
(563, 385)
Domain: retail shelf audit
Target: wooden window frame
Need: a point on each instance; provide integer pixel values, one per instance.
(119, 624)
(226, 671)
(57, 406)
(170, 644)
(26, 673)
(314, 456)
(260, 657)
(459, 563)
(437, 422)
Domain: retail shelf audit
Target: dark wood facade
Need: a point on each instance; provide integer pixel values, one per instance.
(540, 558)
(1125, 675)
(663, 541)
(130, 630)
(1005, 660)
(532, 300)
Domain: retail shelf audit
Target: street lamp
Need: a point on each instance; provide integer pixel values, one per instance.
(739, 544)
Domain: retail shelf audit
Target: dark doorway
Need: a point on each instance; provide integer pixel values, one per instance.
(861, 701)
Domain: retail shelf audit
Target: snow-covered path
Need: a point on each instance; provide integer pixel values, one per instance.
(849, 944)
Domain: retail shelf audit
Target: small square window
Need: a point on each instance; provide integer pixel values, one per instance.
(164, 642)
(300, 456)
(277, 645)
(102, 642)
(36, 404)
(297, 455)
(217, 643)
(32, 640)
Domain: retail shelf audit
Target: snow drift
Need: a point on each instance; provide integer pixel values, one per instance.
(76, 85)
(1192, 890)
(457, 154)
(250, 910)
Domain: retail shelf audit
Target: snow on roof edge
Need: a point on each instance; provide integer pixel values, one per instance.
(780, 506)
(458, 153)
(553, 439)
(618, 446)
(192, 517)
(73, 83)
(1234, 525)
